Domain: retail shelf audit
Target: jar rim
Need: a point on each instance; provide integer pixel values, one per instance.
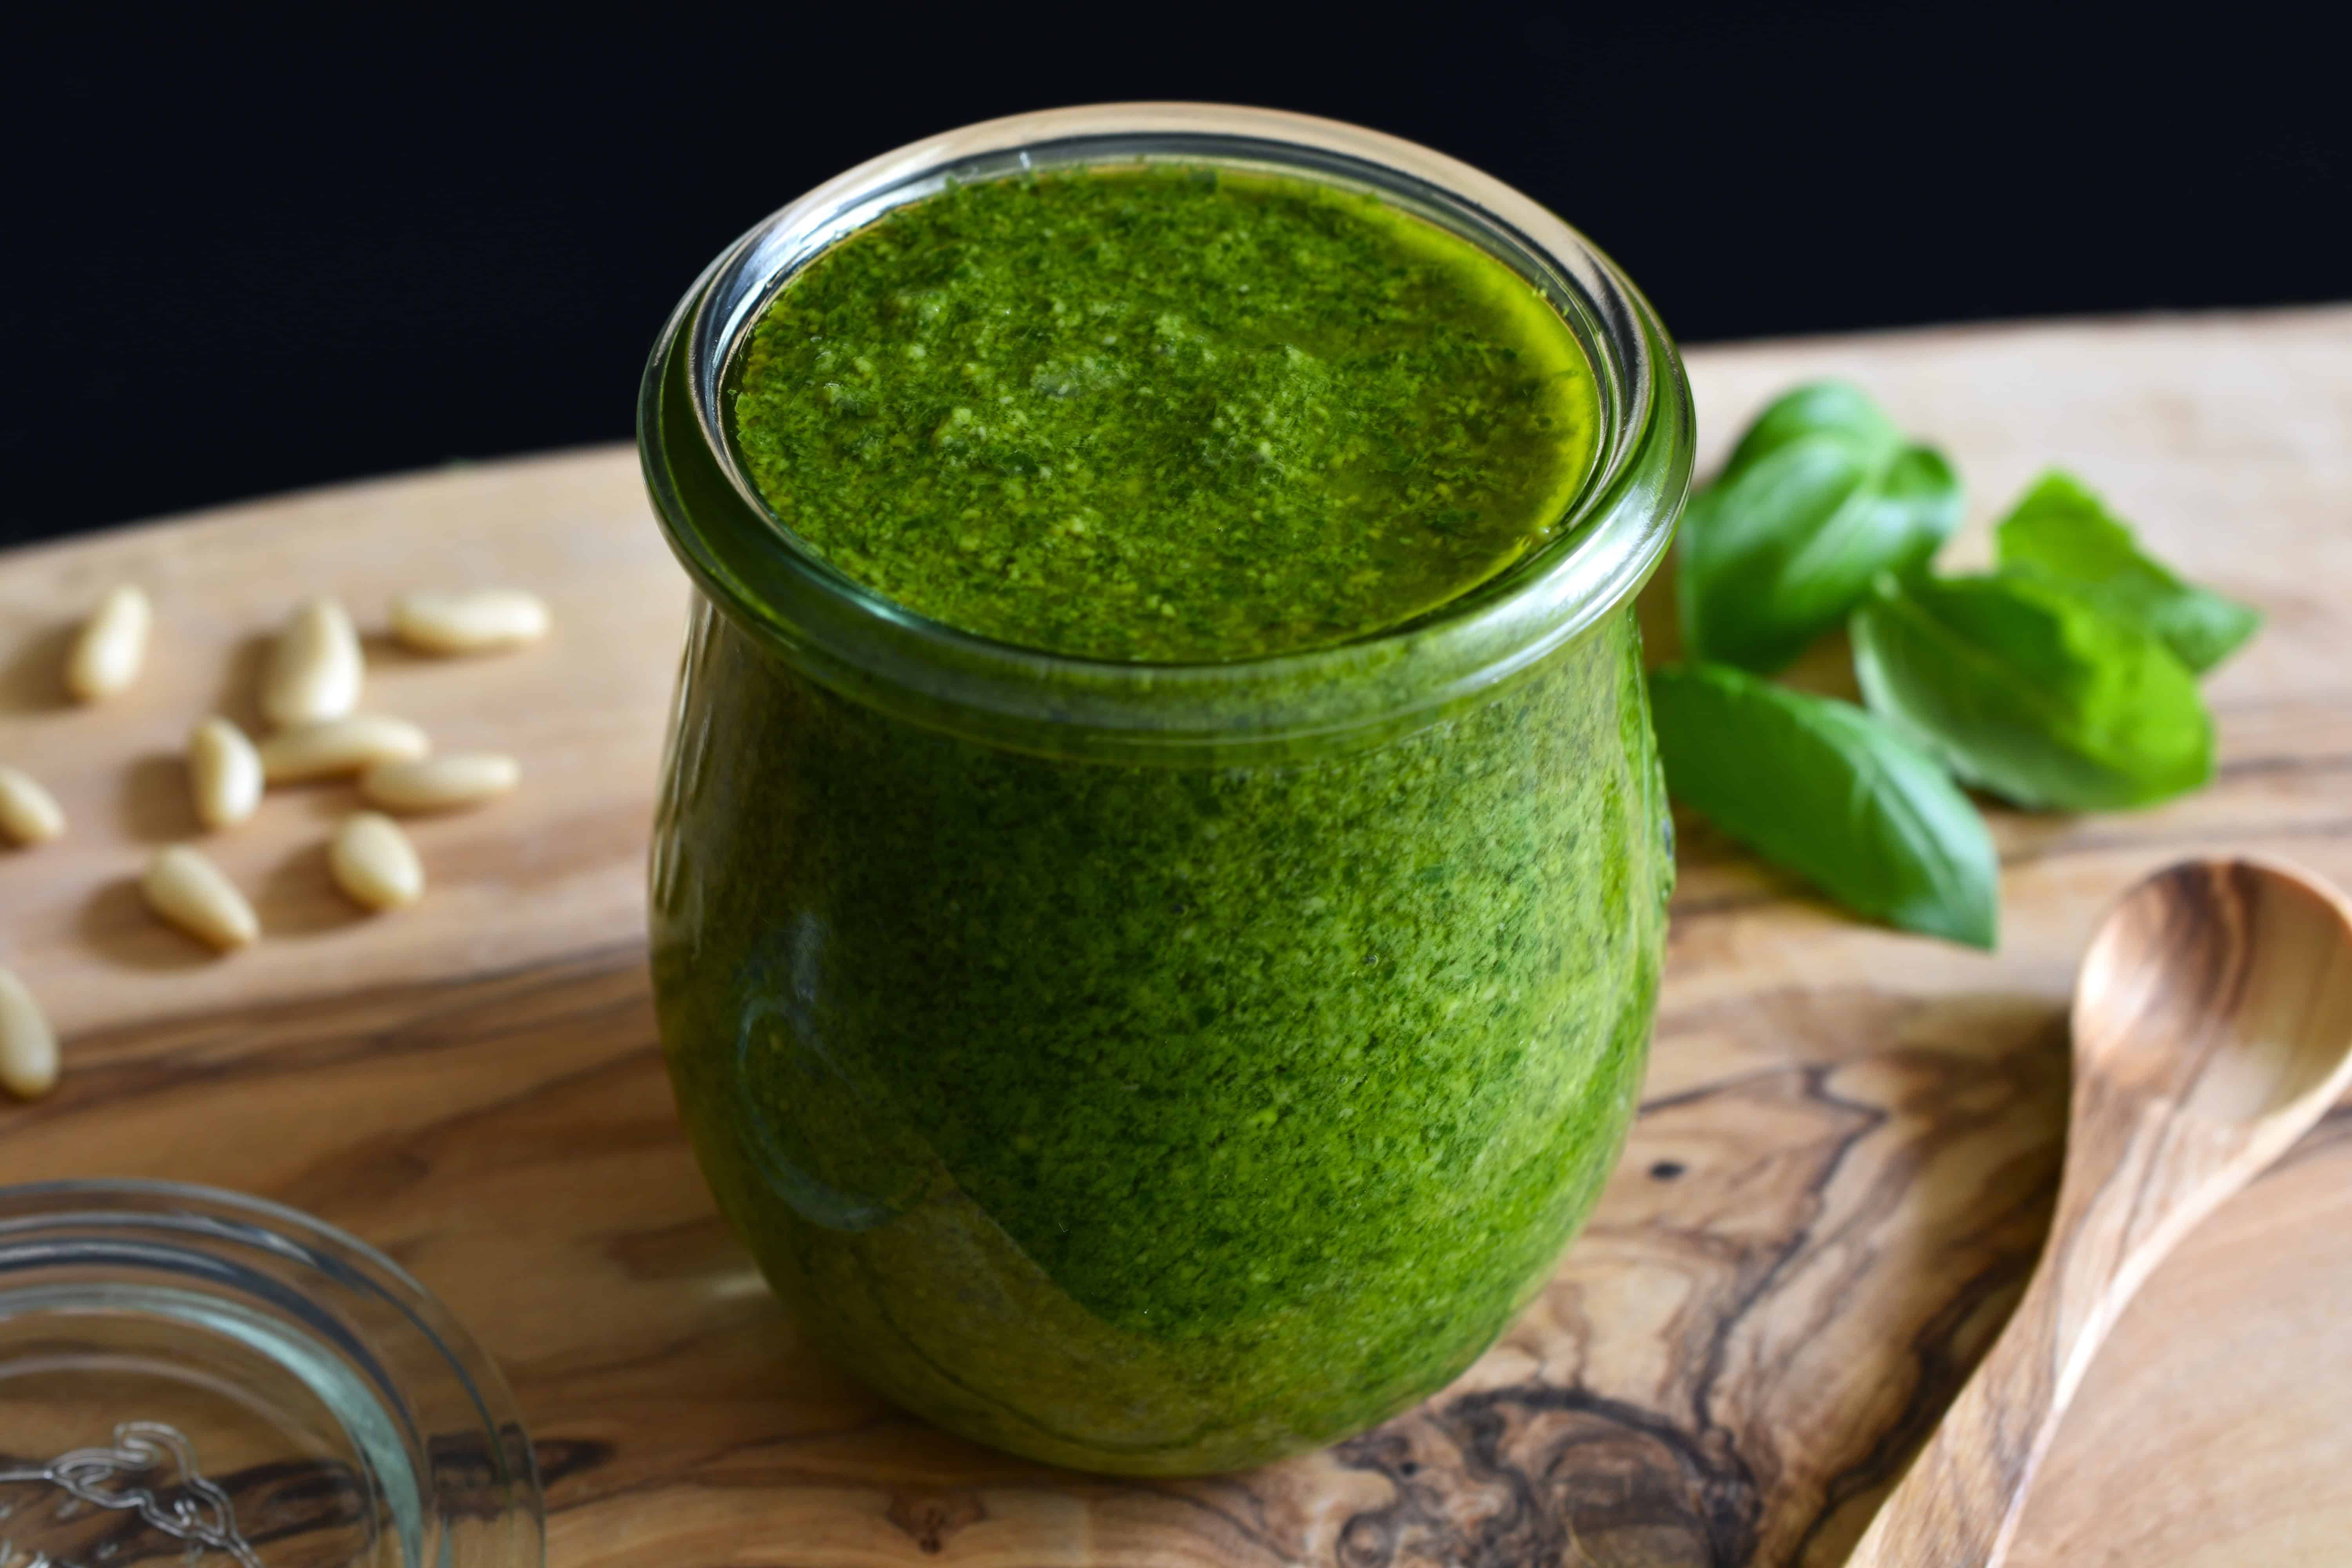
(852, 639)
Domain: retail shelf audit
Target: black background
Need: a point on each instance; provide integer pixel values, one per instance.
(244, 255)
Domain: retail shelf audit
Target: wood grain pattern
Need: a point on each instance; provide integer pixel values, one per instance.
(1844, 1169)
(2211, 1030)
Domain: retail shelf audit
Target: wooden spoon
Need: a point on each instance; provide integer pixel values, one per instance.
(2212, 1027)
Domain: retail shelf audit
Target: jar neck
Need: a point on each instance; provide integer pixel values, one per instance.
(878, 653)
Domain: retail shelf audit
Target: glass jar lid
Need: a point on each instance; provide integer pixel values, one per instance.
(194, 1376)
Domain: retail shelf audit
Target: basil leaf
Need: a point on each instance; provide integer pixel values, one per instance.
(2033, 692)
(1820, 496)
(1814, 408)
(1823, 789)
(2062, 529)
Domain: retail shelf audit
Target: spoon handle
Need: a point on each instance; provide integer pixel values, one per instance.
(1955, 1506)
(2138, 1178)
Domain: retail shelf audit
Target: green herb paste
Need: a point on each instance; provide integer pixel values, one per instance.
(1158, 1116)
(1170, 415)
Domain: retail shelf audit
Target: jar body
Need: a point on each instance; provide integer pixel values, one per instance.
(1148, 1117)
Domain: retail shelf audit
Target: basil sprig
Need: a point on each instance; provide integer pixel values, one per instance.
(1822, 494)
(1819, 787)
(2060, 530)
(2066, 679)
(2033, 691)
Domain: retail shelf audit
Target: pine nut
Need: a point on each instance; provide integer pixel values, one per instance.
(314, 667)
(476, 620)
(112, 646)
(190, 891)
(374, 863)
(28, 813)
(439, 783)
(225, 773)
(28, 1047)
(340, 746)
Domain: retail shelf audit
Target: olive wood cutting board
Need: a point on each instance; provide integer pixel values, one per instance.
(1841, 1173)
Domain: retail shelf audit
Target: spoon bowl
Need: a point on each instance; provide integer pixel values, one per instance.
(2212, 1027)
(2222, 986)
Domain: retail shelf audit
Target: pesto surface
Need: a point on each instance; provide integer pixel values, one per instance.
(1166, 414)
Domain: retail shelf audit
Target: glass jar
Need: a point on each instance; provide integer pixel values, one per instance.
(194, 1376)
(1160, 1068)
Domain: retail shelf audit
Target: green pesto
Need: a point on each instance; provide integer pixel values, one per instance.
(1167, 414)
(1157, 1118)
(1168, 1115)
